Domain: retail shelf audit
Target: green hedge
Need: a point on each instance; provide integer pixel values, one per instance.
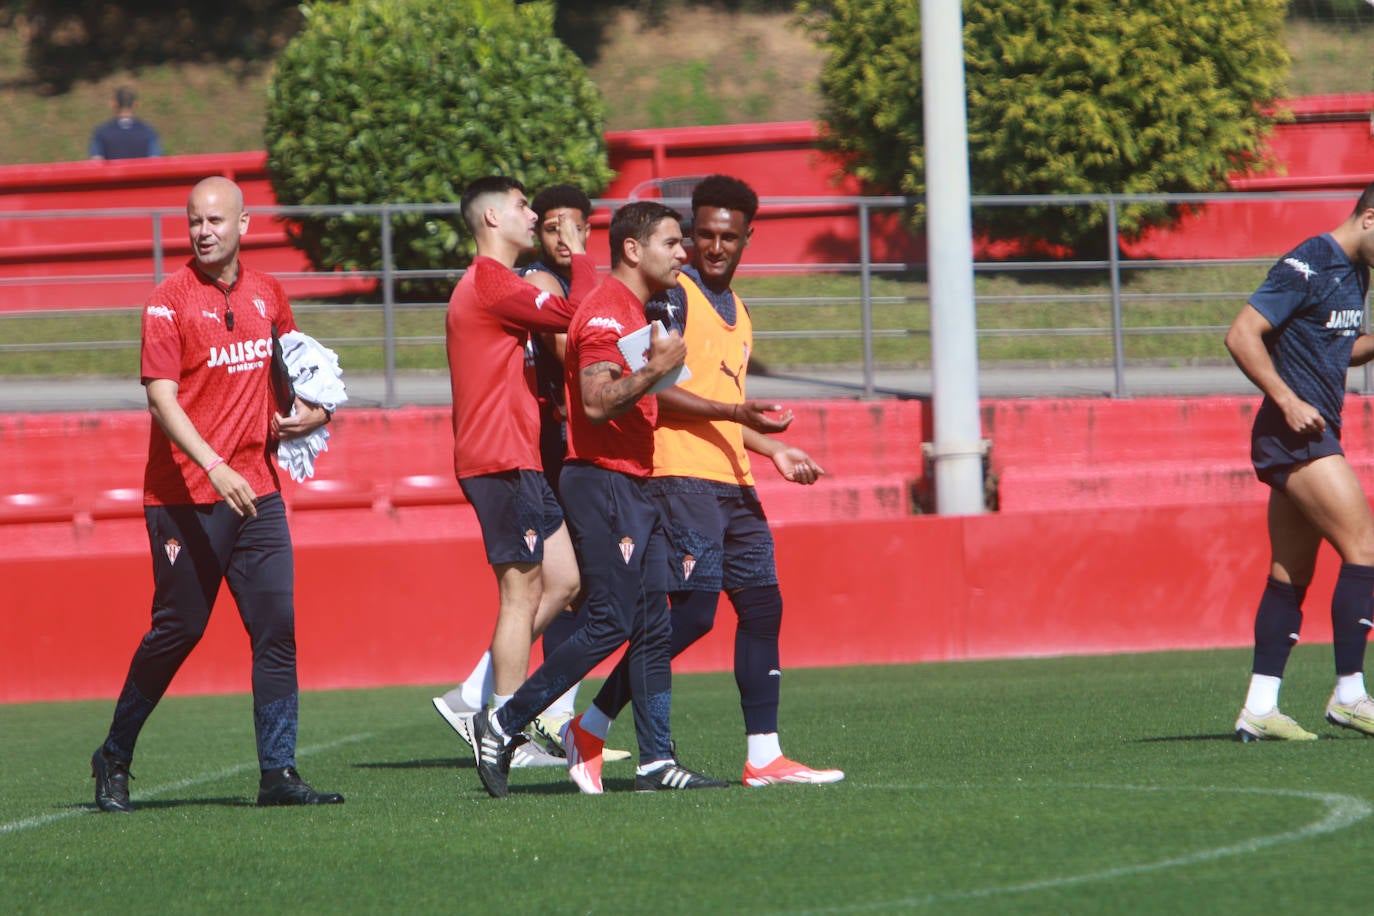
(1090, 96)
(407, 101)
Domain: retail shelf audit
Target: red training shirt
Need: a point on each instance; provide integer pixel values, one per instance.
(490, 316)
(625, 444)
(222, 378)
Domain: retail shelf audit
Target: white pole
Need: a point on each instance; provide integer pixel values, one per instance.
(957, 450)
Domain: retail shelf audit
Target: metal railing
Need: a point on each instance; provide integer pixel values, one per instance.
(387, 280)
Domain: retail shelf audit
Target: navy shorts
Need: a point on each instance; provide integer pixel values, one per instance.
(718, 536)
(517, 511)
(1276, 450)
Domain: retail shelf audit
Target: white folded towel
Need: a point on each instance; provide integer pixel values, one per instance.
(317, 378)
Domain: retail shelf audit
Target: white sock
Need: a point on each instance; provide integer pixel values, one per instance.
(1264, 694)
(478, 685)
(496, 725)
(595, 722)
(763, 749)
(564, 705)
(498, 700)
(1350, 687)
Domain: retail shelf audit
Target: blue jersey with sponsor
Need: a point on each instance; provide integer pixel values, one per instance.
(670, 305)
(1314, 296)
(548, 371)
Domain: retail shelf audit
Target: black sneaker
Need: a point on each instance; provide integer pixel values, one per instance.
(676, 776)
(492, 755)
(284, 786)
(111, 783)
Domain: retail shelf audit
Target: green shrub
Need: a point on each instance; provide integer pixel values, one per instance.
(1090, 96)
(407, 101)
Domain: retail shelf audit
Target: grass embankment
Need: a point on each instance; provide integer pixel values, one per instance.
(755, 67)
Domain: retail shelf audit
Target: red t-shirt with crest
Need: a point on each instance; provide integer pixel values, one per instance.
(222, 377)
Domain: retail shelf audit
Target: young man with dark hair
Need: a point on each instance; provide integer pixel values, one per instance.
(212, 502)
(619, 534)
(718, 535)
(1295, 339)
(491, 316)
(552, 273)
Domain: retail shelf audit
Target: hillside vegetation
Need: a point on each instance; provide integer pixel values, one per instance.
(685, 66)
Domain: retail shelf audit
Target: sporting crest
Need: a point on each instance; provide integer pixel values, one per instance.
(627, 548)
(531, 539)
(172, 548)
(260, 306)
(689, 563)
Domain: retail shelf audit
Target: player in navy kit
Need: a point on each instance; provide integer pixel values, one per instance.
(552, 272)
(211, 498)
(1295, 339)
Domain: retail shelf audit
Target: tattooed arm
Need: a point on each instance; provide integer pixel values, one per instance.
(607, 392)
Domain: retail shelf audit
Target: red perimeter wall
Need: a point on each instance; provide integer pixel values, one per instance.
(392, 587)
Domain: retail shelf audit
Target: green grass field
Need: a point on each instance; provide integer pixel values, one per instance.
(1075, 785)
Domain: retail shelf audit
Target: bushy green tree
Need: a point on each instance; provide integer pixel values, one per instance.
(407, 101)
(1064, 97)
(74, 40)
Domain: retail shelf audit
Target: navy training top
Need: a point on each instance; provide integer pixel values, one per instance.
(1314, 297)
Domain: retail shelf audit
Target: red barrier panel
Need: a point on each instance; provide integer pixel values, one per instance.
(396, 590)
(413, 602)
(1097, 453)
(405, 457)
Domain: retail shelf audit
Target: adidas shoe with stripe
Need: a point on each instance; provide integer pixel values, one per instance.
(492, 755)
(676, 776)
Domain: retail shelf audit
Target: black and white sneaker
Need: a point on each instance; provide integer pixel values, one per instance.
(460, 720)
(676, 776)
(491, 753)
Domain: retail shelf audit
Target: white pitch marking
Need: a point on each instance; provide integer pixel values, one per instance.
(1342, 811)
(44, 819)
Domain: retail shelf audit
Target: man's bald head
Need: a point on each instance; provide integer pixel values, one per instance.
(216, 220)
(219, 188)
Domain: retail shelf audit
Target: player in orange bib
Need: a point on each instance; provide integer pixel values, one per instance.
(718, 535)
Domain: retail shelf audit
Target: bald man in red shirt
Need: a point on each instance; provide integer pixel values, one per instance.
(211, 499)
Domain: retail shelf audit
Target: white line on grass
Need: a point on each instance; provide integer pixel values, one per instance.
(1342, 811)
(188, 782)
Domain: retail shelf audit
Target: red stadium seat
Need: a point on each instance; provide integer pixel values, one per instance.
(426, 490)
(330, 494)
(20, 508)
(123, 502)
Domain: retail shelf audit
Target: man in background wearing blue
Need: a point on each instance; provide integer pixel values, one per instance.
(124, 136)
